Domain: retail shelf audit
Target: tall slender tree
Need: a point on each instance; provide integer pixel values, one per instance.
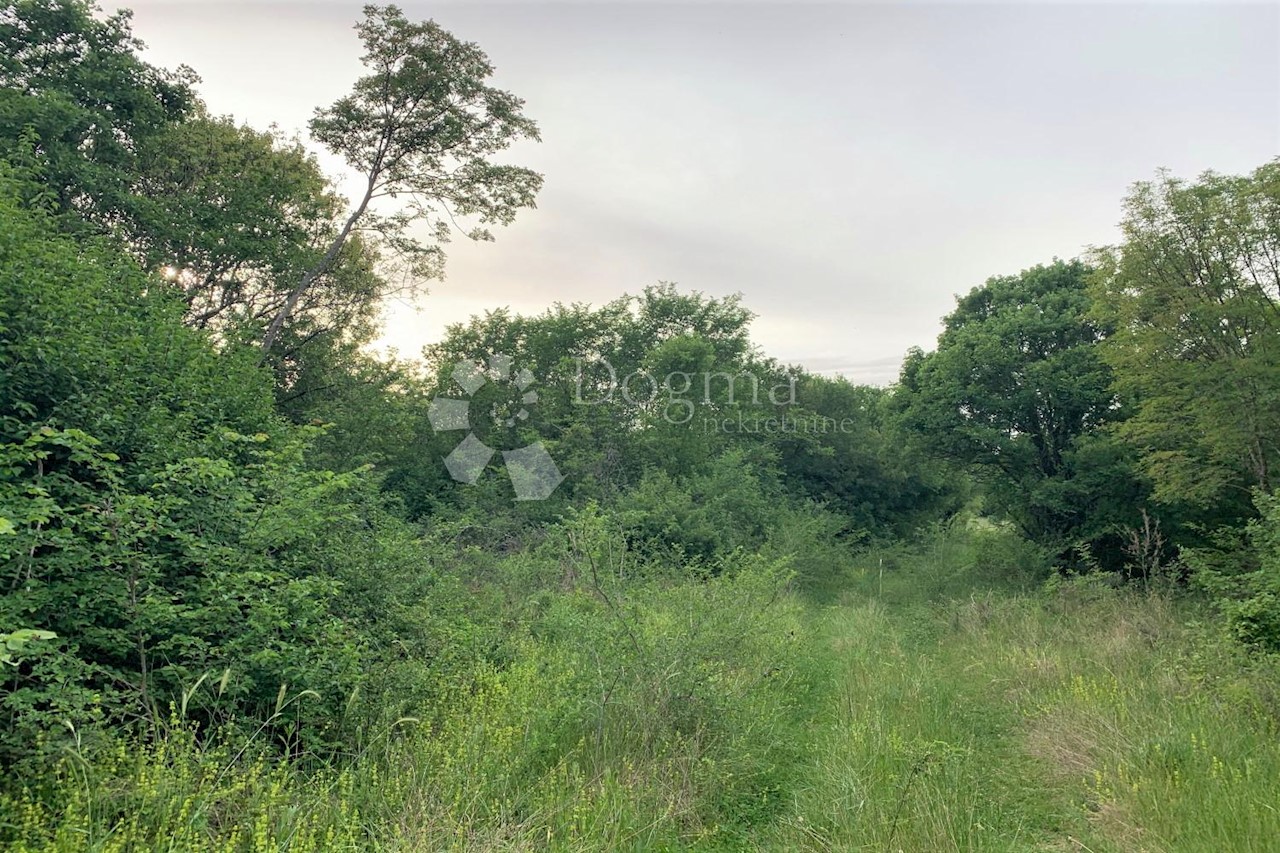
(421, 127)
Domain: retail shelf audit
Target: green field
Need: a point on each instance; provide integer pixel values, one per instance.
(922, 707)
(578, 564)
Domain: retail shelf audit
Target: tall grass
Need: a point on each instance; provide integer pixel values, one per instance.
(625, 715)
(947, 699)
(1074, 717)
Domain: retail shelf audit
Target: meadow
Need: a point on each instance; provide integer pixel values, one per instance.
(927, 698)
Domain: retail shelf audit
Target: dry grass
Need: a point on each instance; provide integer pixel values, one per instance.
(1071, 746)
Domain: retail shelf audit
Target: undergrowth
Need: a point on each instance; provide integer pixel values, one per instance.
(941, 702)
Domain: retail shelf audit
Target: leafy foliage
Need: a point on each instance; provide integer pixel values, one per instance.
(423, 124)
(243, 604)
(75, 80)
(1194, 296)
(1017, 388)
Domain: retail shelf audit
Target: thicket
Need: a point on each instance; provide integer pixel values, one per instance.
(244, 603)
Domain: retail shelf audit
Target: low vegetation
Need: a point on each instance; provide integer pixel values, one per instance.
(742, 713)
(259, 592)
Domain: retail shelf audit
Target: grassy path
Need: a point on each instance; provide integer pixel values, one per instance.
(915, 752)
(1084, 722)
(907, 719)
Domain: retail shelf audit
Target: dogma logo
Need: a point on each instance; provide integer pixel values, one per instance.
(533, 472)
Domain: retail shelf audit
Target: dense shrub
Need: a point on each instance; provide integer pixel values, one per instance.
(1242, 571)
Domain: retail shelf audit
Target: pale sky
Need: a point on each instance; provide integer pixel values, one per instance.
(847, 167)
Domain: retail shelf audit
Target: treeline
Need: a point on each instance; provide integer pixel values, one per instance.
(1124, 410)
(222, 521)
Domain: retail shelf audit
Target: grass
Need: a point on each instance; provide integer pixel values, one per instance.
(1078, 718)
(914, 753)
(944, 700)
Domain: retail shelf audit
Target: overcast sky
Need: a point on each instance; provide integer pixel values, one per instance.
(847, 167)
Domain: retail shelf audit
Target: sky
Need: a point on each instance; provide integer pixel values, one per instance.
(849, 168)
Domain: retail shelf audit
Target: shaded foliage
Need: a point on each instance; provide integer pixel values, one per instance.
(1017, 389)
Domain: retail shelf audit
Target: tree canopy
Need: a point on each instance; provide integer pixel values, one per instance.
(1017, 388)
(1193, 294)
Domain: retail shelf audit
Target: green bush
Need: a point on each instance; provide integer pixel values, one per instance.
(953, 560)
(163, 523)
(1242, 571)
(729, 503)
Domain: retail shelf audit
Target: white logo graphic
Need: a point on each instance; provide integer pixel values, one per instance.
(533, 472)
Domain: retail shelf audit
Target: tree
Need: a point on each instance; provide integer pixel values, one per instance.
(1016, 388)
(1193, 294)
(244, 222)
(603, 407)
(846, 451)
(422, 125)
(232, 216)
(76, 82)
(158, 517)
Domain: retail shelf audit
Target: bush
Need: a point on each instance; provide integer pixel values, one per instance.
(162, 522)
(731, 503)
(953, 560)
(1242, 571)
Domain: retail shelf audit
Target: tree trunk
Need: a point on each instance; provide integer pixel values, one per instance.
(309, 278)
